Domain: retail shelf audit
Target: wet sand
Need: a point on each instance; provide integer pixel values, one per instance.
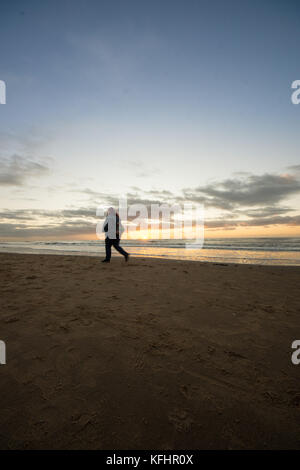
(152, 354)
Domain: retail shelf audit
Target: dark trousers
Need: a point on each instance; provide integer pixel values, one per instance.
(116, 244)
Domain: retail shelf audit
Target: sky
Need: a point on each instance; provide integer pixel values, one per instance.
(159, 101)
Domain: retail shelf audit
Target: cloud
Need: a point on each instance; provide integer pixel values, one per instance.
(245, 191)
(246, 200)
(137, 197)
(82, 222)
(45, 223)
(223, 223)
(16, 170)
(16, 215)
(264, 211)
(294, 169)
(74, 228)
(36, 214)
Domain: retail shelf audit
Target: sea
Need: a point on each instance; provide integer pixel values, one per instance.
(263, 251)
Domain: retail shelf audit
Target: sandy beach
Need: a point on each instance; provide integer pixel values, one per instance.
(152, 354)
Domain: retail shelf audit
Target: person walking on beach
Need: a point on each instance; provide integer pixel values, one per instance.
(113, 230)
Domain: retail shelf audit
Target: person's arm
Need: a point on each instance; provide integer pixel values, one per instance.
(105, 225)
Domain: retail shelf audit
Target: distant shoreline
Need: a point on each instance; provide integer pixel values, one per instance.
(263, 251)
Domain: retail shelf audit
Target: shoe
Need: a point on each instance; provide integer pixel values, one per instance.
(106, 261)
(127, 257)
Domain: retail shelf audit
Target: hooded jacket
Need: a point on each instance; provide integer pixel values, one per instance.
(112, 227)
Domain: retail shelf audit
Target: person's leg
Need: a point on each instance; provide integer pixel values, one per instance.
(108, 244)
(116, 245)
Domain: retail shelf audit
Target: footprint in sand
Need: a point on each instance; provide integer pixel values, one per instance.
(234, 354)
(11, 319)
(185, 391)
(139, 362)
(181, 420)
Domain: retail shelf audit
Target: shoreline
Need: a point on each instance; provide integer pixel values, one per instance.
(152, 354)
(243, 261)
